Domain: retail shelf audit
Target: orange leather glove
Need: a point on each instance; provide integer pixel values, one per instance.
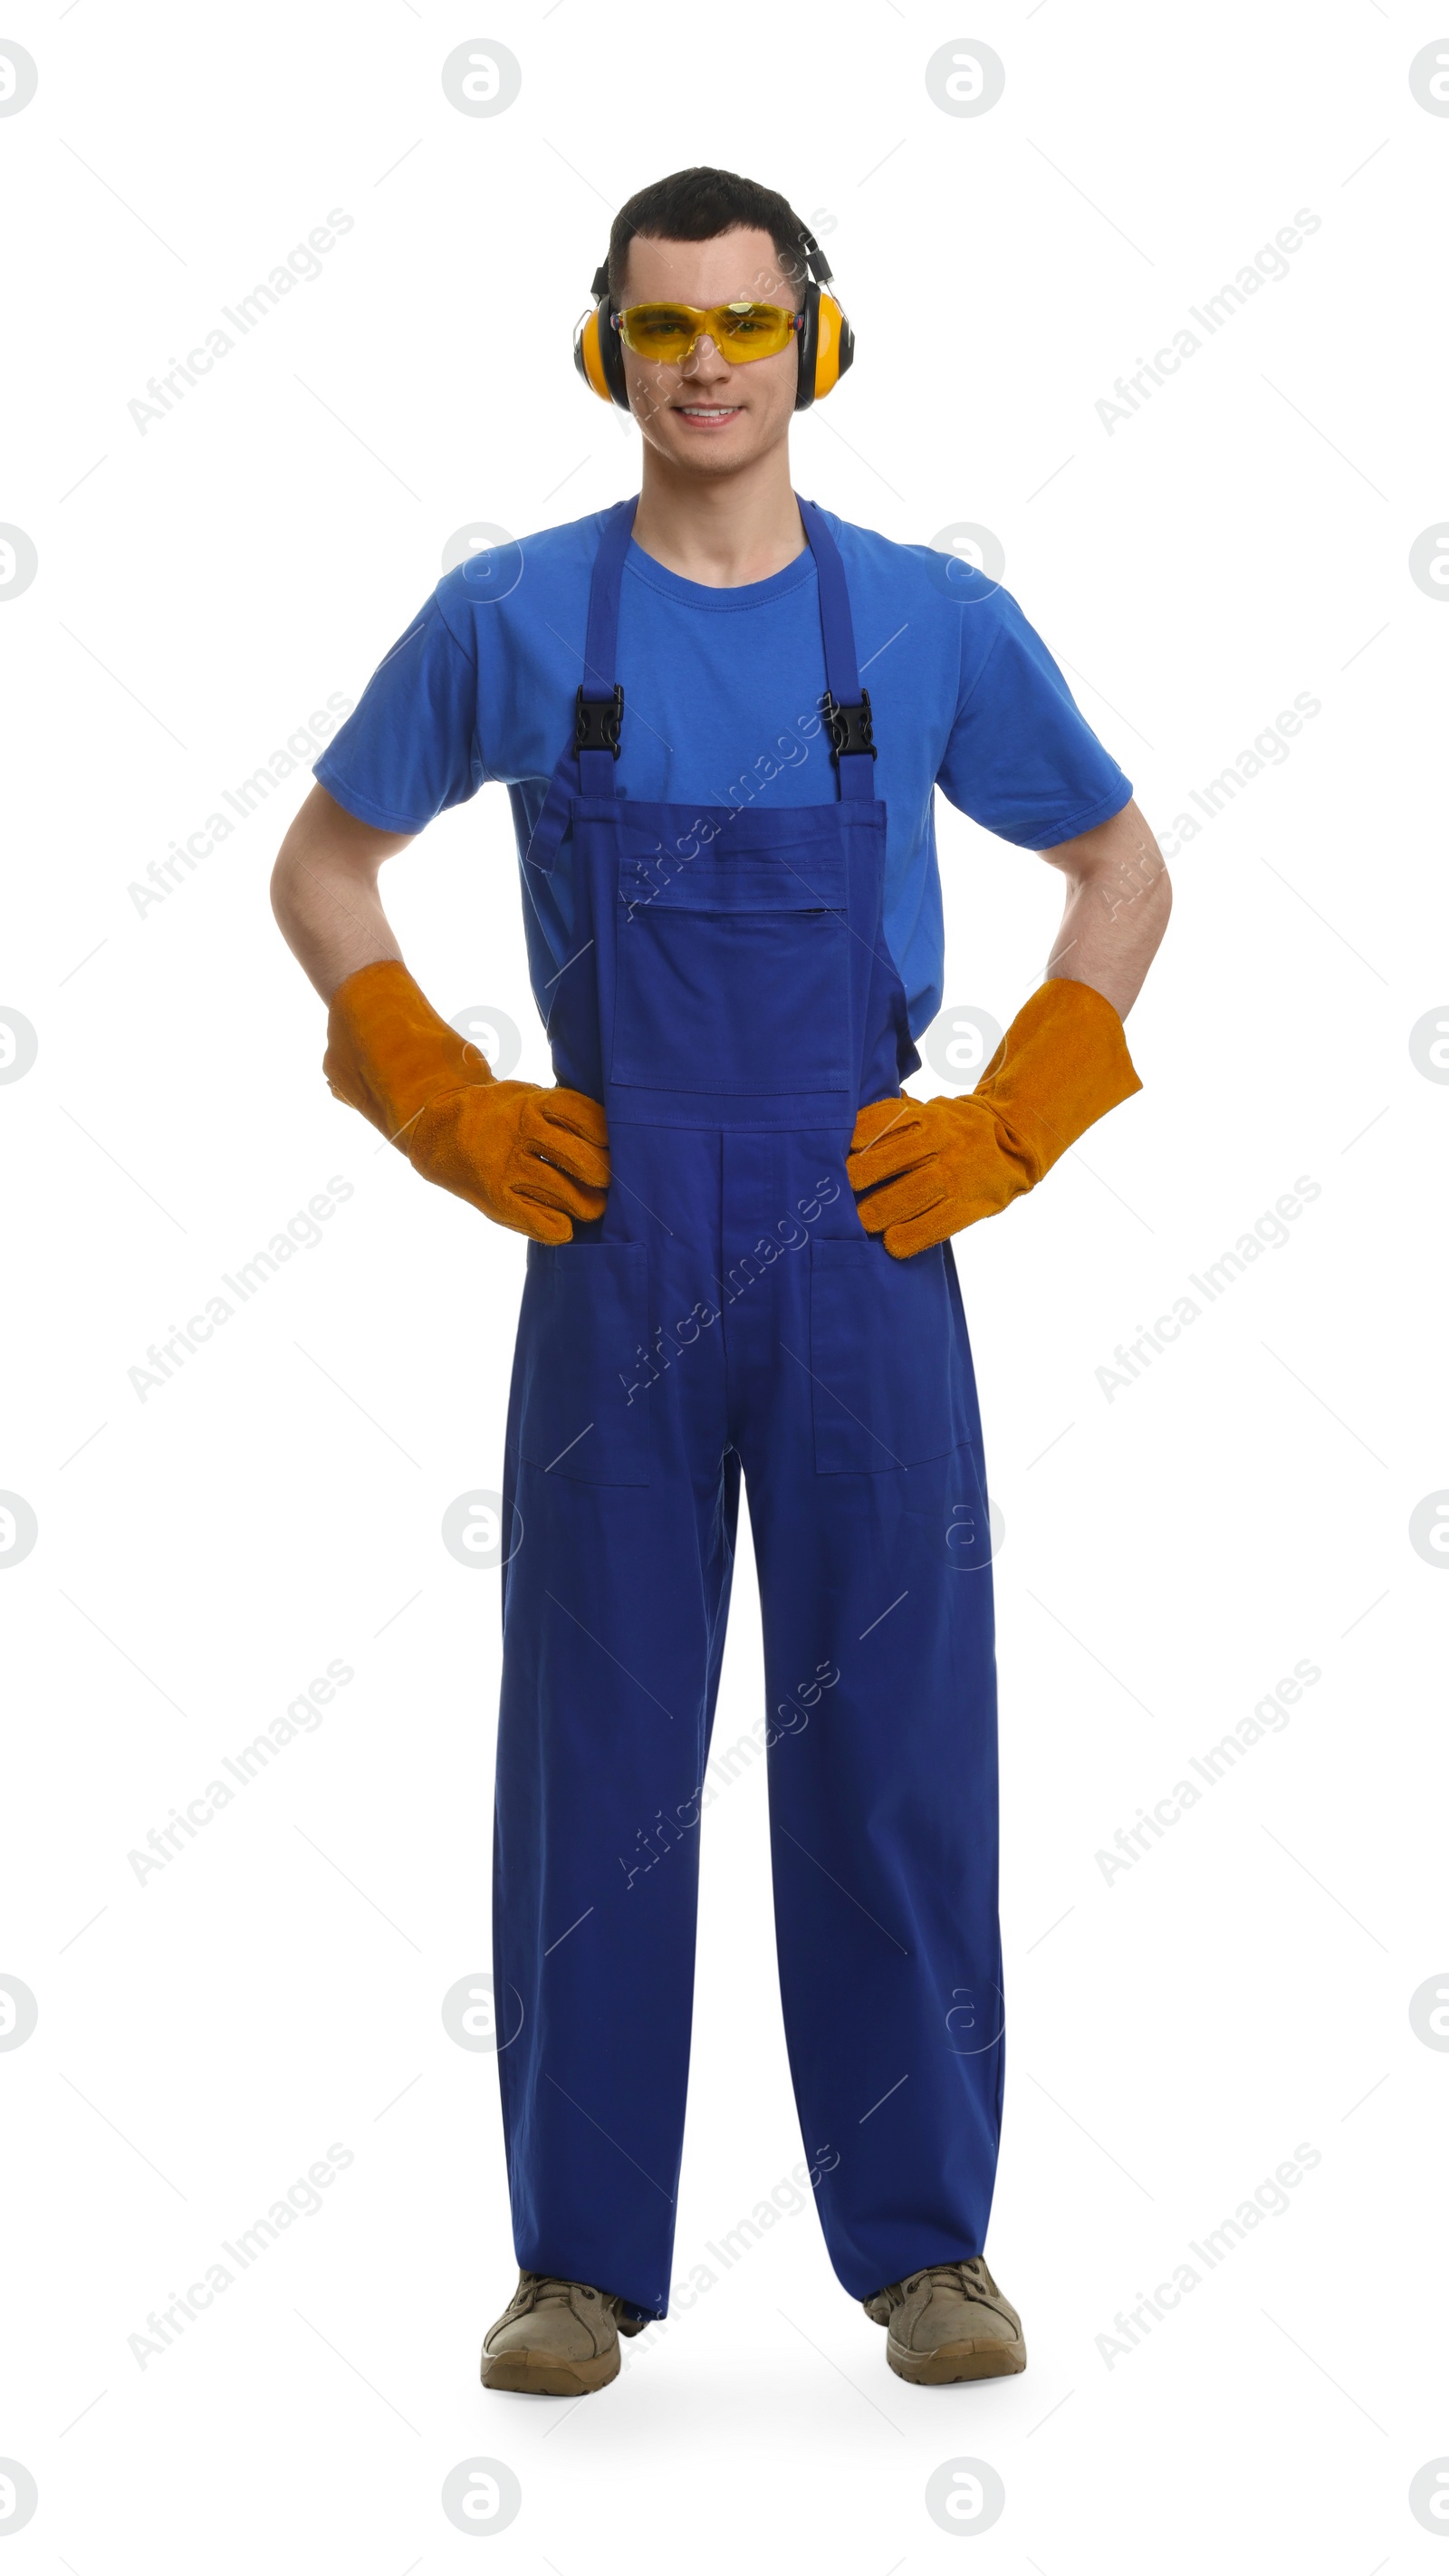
(530, 1157)
(930, 1167)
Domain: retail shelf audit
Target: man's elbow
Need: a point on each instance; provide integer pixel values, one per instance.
(282, 885)
(1123, 865)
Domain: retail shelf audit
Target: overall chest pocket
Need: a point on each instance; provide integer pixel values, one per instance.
(733, 975)
(583, 1385)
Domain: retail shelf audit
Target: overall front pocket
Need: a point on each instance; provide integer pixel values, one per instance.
(887, 1374)
(583, 1386)
(733, 976)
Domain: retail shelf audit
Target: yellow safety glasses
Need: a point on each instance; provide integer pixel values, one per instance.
(741, 331)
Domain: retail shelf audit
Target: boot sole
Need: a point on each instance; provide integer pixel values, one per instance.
(541, 2374)
(986, 2358)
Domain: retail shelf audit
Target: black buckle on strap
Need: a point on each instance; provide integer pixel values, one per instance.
(597, 722)
(849, 728)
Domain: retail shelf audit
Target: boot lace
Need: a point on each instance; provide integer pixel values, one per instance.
(537, 2287)
(968, 2277)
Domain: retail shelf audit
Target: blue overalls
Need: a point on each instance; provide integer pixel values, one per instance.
(729, 997)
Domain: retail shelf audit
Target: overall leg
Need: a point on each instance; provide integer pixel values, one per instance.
(880, 1671)
(614, 1616)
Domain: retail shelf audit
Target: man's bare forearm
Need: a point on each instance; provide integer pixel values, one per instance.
(324, 892)
(1118, 901)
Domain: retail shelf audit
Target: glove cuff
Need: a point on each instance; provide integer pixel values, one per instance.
(1062, 1065)
(389, 1053)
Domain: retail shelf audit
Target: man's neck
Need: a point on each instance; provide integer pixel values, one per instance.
(720, 531)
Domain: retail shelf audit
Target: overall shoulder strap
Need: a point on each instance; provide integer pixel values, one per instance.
(848, 716)
(582, 770)
(601, 643)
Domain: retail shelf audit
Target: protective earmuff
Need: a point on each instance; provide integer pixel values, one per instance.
(826, 341)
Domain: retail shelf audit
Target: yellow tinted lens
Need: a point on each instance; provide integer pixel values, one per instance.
(663, 331)
(750, 330)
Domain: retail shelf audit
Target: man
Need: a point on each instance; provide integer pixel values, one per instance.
(738, 1262)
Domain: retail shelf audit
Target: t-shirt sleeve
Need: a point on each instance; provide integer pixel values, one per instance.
(1022, 759)
(410, 747)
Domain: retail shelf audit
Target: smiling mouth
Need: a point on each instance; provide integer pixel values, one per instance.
(708, 411)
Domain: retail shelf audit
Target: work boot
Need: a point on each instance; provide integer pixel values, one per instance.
(949, 2321)
(556, 2338)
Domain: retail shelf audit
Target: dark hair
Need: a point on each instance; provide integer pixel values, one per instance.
(697, 205)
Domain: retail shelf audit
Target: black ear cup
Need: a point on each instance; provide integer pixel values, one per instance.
(808, 342)
(611, 355)
(598, 350)
(827, 342)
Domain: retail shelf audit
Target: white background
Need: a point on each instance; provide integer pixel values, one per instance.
(1169, 1554)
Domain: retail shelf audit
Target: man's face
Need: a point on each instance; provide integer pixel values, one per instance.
(705, 415)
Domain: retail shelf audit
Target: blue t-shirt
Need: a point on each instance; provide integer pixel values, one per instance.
(721, 706)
